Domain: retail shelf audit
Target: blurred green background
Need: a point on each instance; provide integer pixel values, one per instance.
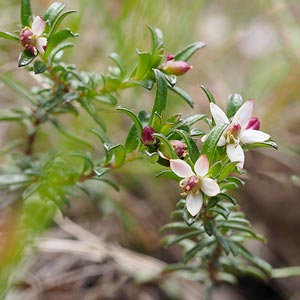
(252, 49)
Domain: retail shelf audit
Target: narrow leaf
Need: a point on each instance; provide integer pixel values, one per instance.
(160, 101)
(25, 12)
(53, 12)
(39, 67)
(210, 145)
(166, 143)
(25, 58)
(188, 51)
(233, 104)
(9, 36)
(183, 94)
(208, 94)
(133, 117)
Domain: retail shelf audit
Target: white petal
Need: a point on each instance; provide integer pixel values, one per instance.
(41, 44)
(218, 114)
(244, 114)
(38, 25)
(181, 168)
(210, 187)
(253, 136)
(222, 141)
(201, 166)
(194, 203)
(236, 153)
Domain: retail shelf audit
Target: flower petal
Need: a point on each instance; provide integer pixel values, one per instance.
(41, 44)
(210, 187)
(236, 153)
(201, 166)
(38, 25)
(244, 114)
(181, 168)
(218, 114)
(194, 203)
(222, 141)
(253, 136)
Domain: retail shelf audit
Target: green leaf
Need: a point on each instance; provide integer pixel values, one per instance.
(100, 133)
(215, 169)
(188, 51)
(191, 145)
(53, 12)
(210, 145)
(72, 136)
(260, 263)
(58, 22)
(132, 139)
(147, 84)
(152, 157)
(183, 94)
(188, 235)
(101, 171)
(208, 94)
(91, 110)
(144, 65)
(168, 174)
(268, 144)
(25, 58)
(222, 241)
(58, 38)
(193, 251)
(119, 154)
(233, 104)
(116, 58)
(166, 143)
(39, 67)
(9, 36)
(133, 117)
(227, 197)
(157, 42)
(160, 101)
(208, 226)
(59, 49)
(86, 156)
(228, 169)
(176, 226)
(25, 12)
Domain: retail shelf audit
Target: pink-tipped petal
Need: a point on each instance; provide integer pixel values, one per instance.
(38, 25)
(181, 168)
(236, 153)
(194, 203)
(41, 44)
(218, 114)
(250, 136)
(244, 114)
(210, 187)
(201, 166)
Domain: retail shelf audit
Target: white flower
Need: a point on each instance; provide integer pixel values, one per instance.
(237, 134)
(194, 183)
(32, 39)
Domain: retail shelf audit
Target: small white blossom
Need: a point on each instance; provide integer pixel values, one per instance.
(237, 132)
(194, 183)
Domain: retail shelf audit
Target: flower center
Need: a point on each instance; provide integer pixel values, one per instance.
(232, 134)
(190, 184)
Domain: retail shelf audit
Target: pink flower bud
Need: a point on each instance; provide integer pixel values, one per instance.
(253, 124)
(178, 68)
(147, 136)
(179, 148)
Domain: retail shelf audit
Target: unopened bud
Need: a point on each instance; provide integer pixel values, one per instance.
(147, 136)
(178, 68)
(253, 124)
(179, 148)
